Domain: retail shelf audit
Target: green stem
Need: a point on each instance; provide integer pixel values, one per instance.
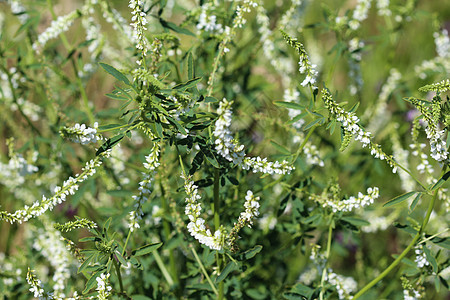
(216, 210)
(311, 131)
(202, 267)
(327, 255)
(126, 242)
(404, 253)
(163, 268)
(166, 228)
(119, 276)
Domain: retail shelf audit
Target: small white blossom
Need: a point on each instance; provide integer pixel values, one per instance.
(81, 133)
(421, 258)
(347, 205)
(230, 149)
(196, 226)
(103, 286)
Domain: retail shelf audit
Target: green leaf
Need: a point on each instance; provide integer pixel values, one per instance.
(430, 258)
(443, 242)
(355, 221)
(92, 282)
(174, 27)
(120, 258)
(291, 105)
(88, 239)
(250, 253)
(114, 72)
(280, 148)
(209, 99)
(299, 290)
(86, 262)
(109, 127)
(231, 266)
(399, 199)
(441, 181)
(107, 223)
(110, 143)
(188, 84)
(354, 107)
(29, 23)
(311, 124)
(414, 202)
(191, 68)
(177, 125)
(146, 249)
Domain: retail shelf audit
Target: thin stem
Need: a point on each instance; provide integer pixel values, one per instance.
(163, 268)
(327, 255)
(166, 228)
(311, 131)
(216, 210)
(126, 243)
(119, 276)
(404, 253)
(202, 267)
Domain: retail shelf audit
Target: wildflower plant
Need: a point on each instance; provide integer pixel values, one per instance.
(312, 140)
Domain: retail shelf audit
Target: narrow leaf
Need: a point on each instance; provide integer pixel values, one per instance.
(176, 28)
(441, 181)
(110, 143)
(231, 266)
(430, 258)
(120, 258)
(92, 282)
(251, 253)
(280, 148)
(146, 249)
(190, 63)
(114, 72)
(188, 84)
(86, 262)
(355, 221)
(399, 199)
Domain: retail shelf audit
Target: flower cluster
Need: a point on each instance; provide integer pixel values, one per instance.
(81, 133)
(14, 173)
(36, 284)
(424, 166)
(421, 258)
(436, 137)
(226, 146)
(379, 115)
(69, 187)
(350, 126)
(359, 14)
(440, 87)
(49, 243)
(152, 162)
(246, 6)
(103, 286)
(231, 150)
(12, 272)
(58, 26)
(383, 8)
(207, 21)
(439, 64)
(442, 42)
(139, 21)
(347, 205)
(344, 285)
(79, 223)
(245, 219)
(306, 67)
(196, 226)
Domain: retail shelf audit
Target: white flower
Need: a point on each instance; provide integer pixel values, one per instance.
(103, 287)
(81, 134)
(196, 226)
